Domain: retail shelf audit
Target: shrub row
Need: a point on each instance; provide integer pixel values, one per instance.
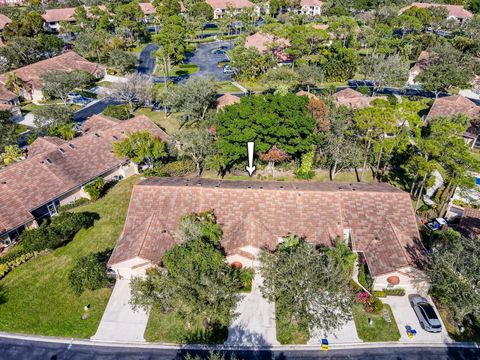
(389, 292)
(174, 168)
(5, 268)
(72, 205)
(59, 231)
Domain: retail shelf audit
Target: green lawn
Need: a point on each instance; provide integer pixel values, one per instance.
(380, 330)
(169, 123)
(227, 87)
(178, 70)
(171, 328)
(289, 333)
(37, 296)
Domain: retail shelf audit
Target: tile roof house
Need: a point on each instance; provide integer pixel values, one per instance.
(453, 105)
(353, 99)
(421, 64)
(32, 74)
(470, 223)
(226, 100)
(53, 17)
(55, 171)
(265, 42)
(4, 20)
(455, 12)
(311, 7)
(377, 220)
(220, 7)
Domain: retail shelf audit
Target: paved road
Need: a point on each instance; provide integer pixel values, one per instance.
(24, 350)
(95, 108)
(206, 61)
(147, 60)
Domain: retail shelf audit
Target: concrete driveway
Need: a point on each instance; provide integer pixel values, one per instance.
(405, 316)
(119, 322)
(255, 323)
(347, 334)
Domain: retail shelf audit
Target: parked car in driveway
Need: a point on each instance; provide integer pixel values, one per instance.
(427, 316)
(227, 69)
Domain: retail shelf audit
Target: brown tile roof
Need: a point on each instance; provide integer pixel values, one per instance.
(421, 64)
(227, 99)
(457, 11)
(352, 98)
(4, 20)
(6, 107)
(225, 4)
(255, 213)
(69, 61)
(6, 95)
(262, 42)
(58, 167)
(453, 105)
(470, 223)
(44, 144)
(57, 15)
(306, 93)
(311, 3)
(147, 8)
(99, 123)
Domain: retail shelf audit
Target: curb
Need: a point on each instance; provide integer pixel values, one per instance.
(346, 346)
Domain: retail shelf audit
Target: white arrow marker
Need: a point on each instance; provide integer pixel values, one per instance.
(250, 168)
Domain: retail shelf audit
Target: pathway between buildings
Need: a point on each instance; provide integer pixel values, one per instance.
(119, 322)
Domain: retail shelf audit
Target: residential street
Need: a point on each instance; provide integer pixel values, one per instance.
(28, 350)
(147, 60)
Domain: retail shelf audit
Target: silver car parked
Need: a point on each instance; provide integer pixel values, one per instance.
(426, 314)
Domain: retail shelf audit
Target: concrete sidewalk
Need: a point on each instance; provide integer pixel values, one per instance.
(119, 322)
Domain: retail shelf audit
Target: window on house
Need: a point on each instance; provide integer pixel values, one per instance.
(52, 209)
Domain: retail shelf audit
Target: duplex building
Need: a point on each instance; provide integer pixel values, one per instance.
(376, 220)
(222, 7)
(453, 105)
(454, 12)
(56, 170)
(268, 43)
(31, 75)
(353, 99)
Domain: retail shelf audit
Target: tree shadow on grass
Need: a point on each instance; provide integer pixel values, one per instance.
(3, 297)
(214, 334)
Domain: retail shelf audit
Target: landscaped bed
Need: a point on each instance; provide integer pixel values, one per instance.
(379, 330)
(37, 297)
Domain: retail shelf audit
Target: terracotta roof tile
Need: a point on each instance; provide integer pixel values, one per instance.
(51, 172)
(44, 144)
(69, 61)
(225, 4)
(352, 98)
(311, 3)
(457, 11)
(227, 99)
(4, 20)
(453, 105)
(258, 213)
(262, 42)
(470, 223)
(147, 8)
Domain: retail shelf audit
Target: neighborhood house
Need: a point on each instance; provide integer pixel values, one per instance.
(221, 7)
(353, 99)
(454, 12)
(376, 220)
(56, 170)
(265, 43)
(31, 75)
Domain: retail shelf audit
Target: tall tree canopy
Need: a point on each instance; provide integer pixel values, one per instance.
(267, 120)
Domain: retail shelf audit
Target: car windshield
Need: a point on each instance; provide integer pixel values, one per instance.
(428, 309)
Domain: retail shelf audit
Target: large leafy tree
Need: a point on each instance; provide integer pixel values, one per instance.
(57, 84)
(267, 120)
(194, 279)
(308, 285)
(454, 274)
(192, 99)
(196, 144)
(8, 130)
(141, 147)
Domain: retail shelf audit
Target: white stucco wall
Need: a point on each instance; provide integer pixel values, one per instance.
(411, 279)
(131, 268)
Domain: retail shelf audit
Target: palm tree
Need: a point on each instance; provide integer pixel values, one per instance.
(15, 84)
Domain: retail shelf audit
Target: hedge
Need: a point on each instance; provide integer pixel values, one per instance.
(19, 260)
